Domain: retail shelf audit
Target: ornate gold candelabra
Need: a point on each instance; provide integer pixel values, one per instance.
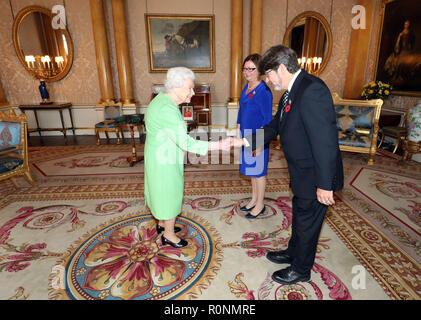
(310, 64)
(42, 67)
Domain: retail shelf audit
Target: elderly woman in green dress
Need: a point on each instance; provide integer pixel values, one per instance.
(166, 143)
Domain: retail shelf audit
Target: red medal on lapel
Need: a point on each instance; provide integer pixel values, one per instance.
(250, 95)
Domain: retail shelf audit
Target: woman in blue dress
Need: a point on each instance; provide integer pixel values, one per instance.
(255, 112)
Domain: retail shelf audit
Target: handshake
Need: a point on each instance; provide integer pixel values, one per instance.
(227, 143)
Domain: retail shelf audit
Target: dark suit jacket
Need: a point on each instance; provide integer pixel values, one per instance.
(309, 137)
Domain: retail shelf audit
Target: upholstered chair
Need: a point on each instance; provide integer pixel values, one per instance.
(14, 147)
(358, 124)
(111, 112)
(398, 133)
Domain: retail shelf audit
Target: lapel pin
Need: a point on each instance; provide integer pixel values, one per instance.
(288, 107)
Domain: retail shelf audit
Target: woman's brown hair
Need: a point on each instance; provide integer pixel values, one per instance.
(254, 57)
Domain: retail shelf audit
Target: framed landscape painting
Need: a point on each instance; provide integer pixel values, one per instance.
(180, 41)
(399, 47)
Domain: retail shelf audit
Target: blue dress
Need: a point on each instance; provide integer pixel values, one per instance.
(255, 112)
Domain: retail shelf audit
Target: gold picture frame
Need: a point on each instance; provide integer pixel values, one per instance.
(180, 41)
(187, 110)
(395, 65)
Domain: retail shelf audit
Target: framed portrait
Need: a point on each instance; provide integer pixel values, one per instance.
(180, 41)
(187, 111)
(399, 48)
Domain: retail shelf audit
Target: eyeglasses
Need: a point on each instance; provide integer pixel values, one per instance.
(249, 69)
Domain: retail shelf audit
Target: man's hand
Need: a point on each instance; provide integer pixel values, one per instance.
(325, 196)
(256, 152)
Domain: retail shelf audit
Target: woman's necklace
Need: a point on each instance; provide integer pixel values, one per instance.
(251, 88)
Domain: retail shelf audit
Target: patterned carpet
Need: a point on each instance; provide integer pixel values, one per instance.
(85, 233)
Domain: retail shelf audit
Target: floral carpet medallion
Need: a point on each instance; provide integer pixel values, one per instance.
(126, 260)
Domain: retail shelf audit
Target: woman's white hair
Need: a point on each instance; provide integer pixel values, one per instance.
(176, 77)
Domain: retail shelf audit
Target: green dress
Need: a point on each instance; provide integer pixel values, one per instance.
(165, 146)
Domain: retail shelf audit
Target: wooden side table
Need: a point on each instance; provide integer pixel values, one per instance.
(54, 106)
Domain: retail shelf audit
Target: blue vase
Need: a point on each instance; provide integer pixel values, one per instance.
(45, 96)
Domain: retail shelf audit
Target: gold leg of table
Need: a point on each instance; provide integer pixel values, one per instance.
(134, 157)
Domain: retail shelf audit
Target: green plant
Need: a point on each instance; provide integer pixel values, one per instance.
(376, 90)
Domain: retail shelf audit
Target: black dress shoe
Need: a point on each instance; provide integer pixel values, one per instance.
(180, 244)
(279, 257)
(250, 216)
(243, 208)
(160, 229)
(289, 276)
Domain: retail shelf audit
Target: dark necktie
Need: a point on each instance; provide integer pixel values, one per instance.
(284, 100)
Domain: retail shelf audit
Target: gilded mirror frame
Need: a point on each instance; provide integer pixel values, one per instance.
(326, 26)
(16, 27)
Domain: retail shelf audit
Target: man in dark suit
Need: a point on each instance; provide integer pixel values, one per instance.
(306, 124)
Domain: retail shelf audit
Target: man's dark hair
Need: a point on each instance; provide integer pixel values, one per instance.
(277, 55)
(254, 57)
